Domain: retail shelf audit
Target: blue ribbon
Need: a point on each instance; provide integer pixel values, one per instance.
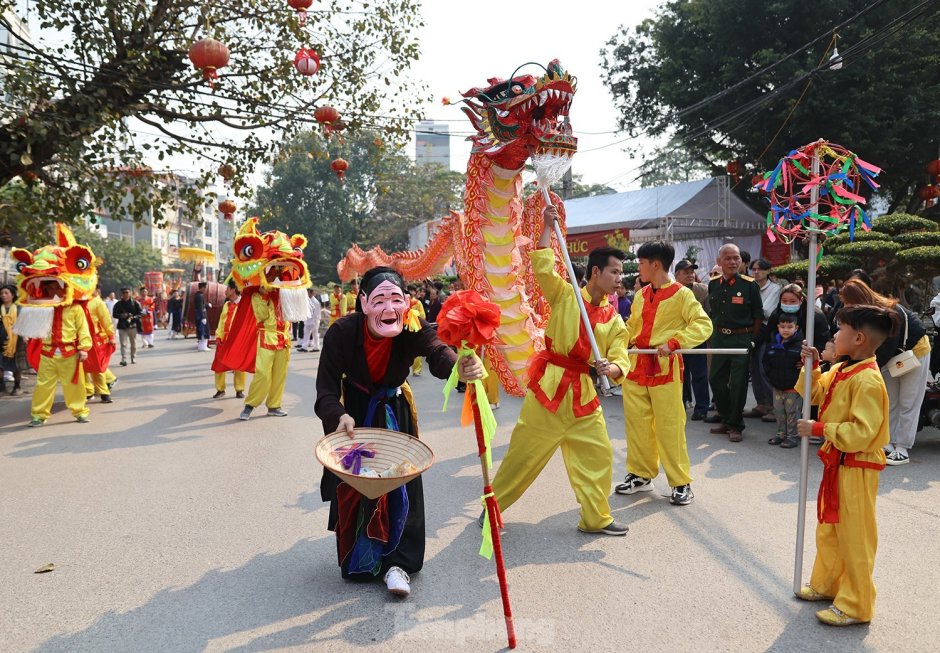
(382, 394)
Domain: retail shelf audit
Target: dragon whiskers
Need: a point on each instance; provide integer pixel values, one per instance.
(295, 307)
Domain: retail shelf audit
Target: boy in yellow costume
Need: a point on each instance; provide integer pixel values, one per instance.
(853, 419)
(267, 385)
(51, 283)
(351, 296)
(99, 383)
(338, 303)
(232, 296)
(665, 316)
(561, 408)
(418, 309)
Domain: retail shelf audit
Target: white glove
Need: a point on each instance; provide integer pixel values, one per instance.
(203, 320)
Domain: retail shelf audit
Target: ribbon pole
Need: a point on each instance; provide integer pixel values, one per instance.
(807, 385)
(605, 382)
(492, 511)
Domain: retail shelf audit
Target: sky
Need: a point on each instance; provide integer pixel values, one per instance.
(463, 44)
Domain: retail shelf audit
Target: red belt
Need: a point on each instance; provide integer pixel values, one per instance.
(827, 501)
(572, 376)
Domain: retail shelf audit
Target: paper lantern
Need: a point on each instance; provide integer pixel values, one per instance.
(933, 168)
(340, 166)
(228, 208)
(227, 171)
(301, 6)
(927, 193)
(307, 61)
(208, 55)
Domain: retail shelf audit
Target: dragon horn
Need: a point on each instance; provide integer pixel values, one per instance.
(63, 235)
(250, 228)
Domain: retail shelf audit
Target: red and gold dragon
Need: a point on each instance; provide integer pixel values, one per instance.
(491, 240)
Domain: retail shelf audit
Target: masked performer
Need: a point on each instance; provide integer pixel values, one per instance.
(269, 270)
(362, 380)
(52, 282)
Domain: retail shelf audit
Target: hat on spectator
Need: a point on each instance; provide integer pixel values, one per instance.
(686, 264)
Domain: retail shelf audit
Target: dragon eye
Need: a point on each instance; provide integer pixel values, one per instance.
(82, 263)
(248, 251)
(22, 265)
(516, 89)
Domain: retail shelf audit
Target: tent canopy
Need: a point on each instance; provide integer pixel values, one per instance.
(694, 209)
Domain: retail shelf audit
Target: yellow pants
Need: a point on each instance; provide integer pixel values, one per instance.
(585, 448)
(655, 427)
(267, 385)
(845, 552)
(239, 381)
(491, 382)
(96, 383)
(53, 371)
(417, 365)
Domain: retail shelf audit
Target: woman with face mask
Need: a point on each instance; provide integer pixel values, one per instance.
(362, 381)
(793, 301)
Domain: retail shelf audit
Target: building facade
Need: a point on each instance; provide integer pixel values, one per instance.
(432, 144)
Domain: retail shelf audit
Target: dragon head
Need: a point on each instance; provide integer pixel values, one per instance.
(517, 117)
(269, 260)
(56, 275)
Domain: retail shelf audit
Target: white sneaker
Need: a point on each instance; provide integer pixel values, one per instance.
(398, 581)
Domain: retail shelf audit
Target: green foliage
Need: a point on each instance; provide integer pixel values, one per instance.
(920, 239)
(385, 194)
(834, 244)
(870, 250)
(900, 223)
(830, 267)
(77, 101)
(123, 265)
(926, 260)
(692, 50)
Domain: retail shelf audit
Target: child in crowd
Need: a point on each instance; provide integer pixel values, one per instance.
(853, 419)
(782, 362)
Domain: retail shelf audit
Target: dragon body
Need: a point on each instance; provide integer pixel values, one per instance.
(490, 241)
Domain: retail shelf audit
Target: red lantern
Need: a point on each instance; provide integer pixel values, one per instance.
(227, 172)
(326, 116)
(208, 55)
(227, 208)
(301, 6)
(340, 166)
(734, 168)
(307, 61)
(756, 179)
(933, 168)
(927, 193)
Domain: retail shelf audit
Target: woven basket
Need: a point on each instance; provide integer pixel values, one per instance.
(391, 448)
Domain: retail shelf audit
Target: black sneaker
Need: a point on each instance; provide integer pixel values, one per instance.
(613, 528)
(106, 399)
(713, 419)
(246, 414)
(682, 495)
(698, 417)
(633, 484)
(239, 395)
(219, 394)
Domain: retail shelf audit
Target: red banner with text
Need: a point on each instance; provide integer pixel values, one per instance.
(580, 245)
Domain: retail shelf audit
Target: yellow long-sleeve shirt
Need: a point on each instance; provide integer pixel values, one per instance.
(69, 332)
(225, 320)
(273, 331)
(101, 318)
(337, 307)
(564, 337)
(853, 413)
(668, 314)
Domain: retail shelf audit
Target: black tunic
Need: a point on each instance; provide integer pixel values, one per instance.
(344, 373)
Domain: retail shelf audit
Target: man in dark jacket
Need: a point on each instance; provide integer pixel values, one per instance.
(127, 312)
(201, 317)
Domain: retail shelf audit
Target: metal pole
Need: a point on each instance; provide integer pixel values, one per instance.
(807, 383)
(605, 382)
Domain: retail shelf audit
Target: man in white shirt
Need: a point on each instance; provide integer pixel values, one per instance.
(311, 341)
(770, 298)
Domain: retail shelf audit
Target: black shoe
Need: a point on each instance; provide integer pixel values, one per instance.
(106, 399)
(123, 363)
(777, 439)
(789, 443)
(219, 394)
(681, 496)
(246, 414)
(698, 417)
(633, 484)
(89, 397)
(713, 419)
(239, 395)
(133, 362)
(613, 528)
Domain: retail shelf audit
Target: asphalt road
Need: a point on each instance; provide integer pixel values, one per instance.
(175, 527)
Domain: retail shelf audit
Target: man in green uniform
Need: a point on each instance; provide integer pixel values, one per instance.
(737, 313)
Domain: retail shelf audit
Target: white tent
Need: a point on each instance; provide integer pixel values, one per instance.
(703, 213)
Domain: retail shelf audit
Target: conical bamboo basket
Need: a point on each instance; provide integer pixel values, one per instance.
(391, 448)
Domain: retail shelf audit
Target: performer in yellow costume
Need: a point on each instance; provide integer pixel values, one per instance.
(267, 385)
(99, 383)
(666, 316)
(51, 283)
(351, 296)
(232, 297)
(561, 408)
(853, 419)
(338, 303)
(418, 309)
